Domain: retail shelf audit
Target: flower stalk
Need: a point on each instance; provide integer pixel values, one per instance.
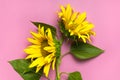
(57, 69)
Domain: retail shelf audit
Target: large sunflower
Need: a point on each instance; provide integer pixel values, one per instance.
(42, 51)
(75, 23)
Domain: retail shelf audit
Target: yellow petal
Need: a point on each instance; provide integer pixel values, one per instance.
(92, 33)
(80, 18)
(35, 35)
(51, 43)
(79, 35)
(85, 22)
(87, 28)
(60, 14)
(49, 49)
(74, 15)
(63, 9)
(33, 56)
(38, 68)
(42, 30)
(32, 50)
(34, 46)
(36, 62)
(77, 29)
(68, 12)
(46, 69)
(33, 41)
(53, 63)
(72, 33)
(84, 38)
(49, 34)
(89, 39)
(39, 28)
(49, 58)
(70, 23)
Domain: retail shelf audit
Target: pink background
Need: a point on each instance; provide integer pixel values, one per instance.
(15, 17)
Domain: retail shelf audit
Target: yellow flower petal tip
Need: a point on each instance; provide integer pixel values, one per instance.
(42, 51)
(75, 23)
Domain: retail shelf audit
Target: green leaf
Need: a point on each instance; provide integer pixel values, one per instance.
(53, 29)
(74, 76)
(21, 66)
(85, 51)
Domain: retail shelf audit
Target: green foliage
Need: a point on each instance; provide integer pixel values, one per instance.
(84, 50)
(22, 67)
(74, 76)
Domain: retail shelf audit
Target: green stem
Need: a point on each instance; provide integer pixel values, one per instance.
(58, 58)
(57, 69)
(65, 54)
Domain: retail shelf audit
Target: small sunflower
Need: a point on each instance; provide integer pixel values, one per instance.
(42, 52)
(75, 24)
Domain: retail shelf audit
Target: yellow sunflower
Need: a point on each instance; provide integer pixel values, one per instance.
(75, 23)
(42, 51)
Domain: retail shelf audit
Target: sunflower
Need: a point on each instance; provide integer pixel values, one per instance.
(42, 51)
(75, 23)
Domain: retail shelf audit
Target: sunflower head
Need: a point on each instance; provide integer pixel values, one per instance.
(42, 51)
(74, 24)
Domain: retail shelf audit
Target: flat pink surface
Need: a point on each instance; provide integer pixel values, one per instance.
(15, 17)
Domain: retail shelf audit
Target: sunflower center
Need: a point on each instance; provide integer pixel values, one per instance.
(44, 43)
